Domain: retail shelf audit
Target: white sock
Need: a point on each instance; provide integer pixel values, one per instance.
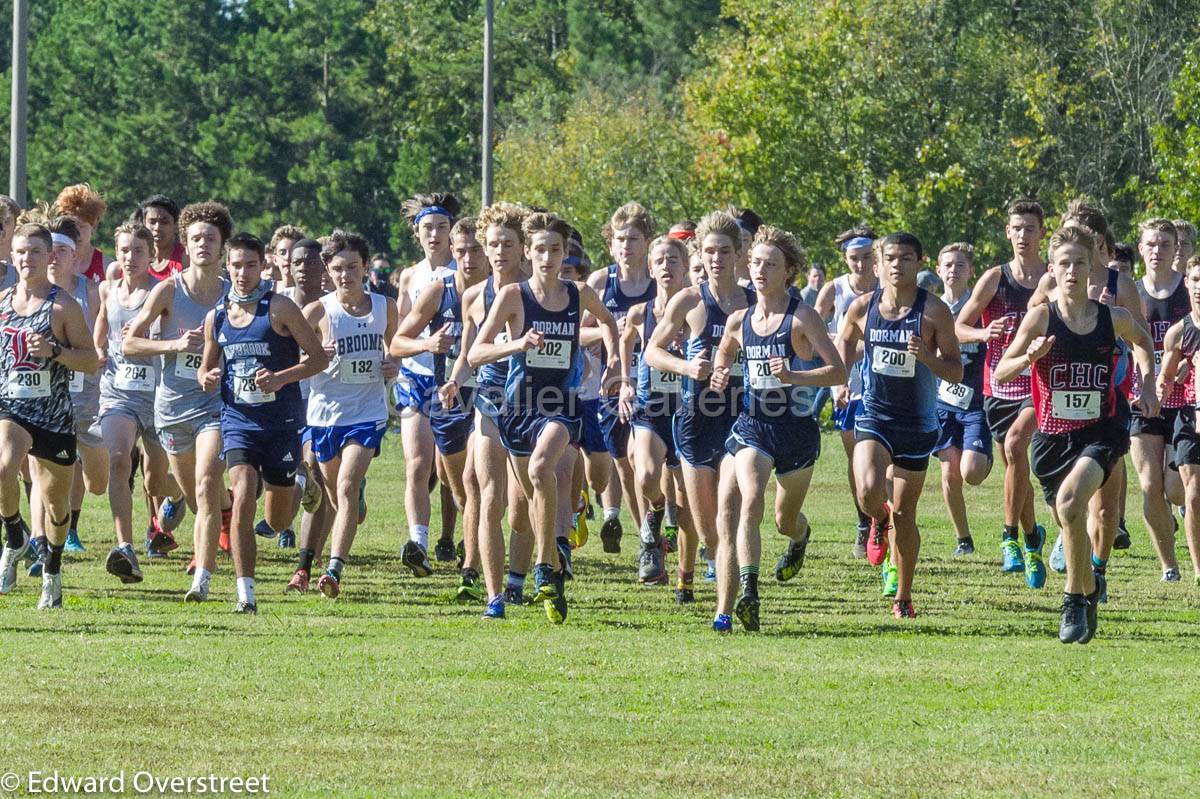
(420, 534)
(611, 513)
(672, 514)
(245, 589)
(200, 576)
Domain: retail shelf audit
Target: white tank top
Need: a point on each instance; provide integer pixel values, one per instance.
(351, 390)
(843, 295)
(422, 363)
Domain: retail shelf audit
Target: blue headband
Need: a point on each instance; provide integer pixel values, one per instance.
(572, 260)
(857, 241)
(429, 210)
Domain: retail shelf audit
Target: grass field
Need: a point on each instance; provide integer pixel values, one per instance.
(394, 690)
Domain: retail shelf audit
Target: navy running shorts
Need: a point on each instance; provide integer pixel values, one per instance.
(792, 446)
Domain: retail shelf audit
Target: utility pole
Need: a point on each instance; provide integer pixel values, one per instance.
(488, 22)
(20, 42)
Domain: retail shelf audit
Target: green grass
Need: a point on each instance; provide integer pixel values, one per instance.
(394, 690)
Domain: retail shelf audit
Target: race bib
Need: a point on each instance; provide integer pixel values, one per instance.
(664, 382)
(187, 364)
(134, 377)
(247, 392)
(761, 377)
(893, 363)
(358, 371)
(76, 384)
(553, 354)
(956, 394)
(738, 369)
(1075, 405)
(29, 384)
(1158, 356)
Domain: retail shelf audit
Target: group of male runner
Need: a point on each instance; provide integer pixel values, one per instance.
(674, 380)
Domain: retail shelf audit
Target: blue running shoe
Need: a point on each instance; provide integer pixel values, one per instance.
(41, 554)
(564, 557)
(514, 595)
(73, 543)
(171, 513)
(723, 623)
(263, 530)
(1035, 567)
(1058, 556)
(287, 539)
(710, 574)
(1010, 552)
(1101, 595)
(495, 608)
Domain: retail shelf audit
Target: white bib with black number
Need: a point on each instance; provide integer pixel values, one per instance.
(738, 369)
(663, 382)
(957, 394)
(1075, 405)
(134, 377)
(187, 364)
(893, 363)
(1158, 356)
(555, 353)
(29, 384)
(761, 377)
(247, 392)
(76, 384)
(357, 371)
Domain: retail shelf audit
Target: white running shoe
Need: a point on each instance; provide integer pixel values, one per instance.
(1058, 556)
(9, 560)
(198, 592)
(51, 592)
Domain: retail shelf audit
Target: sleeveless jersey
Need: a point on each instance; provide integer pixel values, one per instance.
(766, 396)
(290, 292)
(1189, 344)
(179, 398)
(545, 380)
(244, 406)
(656, 391)
(896, 387)
(1161, 314)
(707, 342)
(493, 374)
(85, 388)
(32, 389)
(121, 374)
(351, 389)
(1010, 302)
(843, 295)
(968, 394)
(95, 270)
(449, 312)
(174, 264)
(618, 302)
(1073, 384)
(422, 363)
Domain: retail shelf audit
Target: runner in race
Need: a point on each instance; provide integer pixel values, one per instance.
(257, 347)
(279, 255)
(1185, 244)
(781, 338)
(87, 206)
(907, 342)
(1070, 343)
(160, 215)
(965, 445)
(44, 337)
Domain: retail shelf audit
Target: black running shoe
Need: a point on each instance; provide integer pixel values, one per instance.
(1093, 605)
(1122, 539)
(966, 546)
(610, 535)
(413, 556)
(684, 596)
(746, 611)
(1074, 625)
(443, 551)
(792, 560)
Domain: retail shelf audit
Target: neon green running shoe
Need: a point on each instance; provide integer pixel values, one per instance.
(891, 579)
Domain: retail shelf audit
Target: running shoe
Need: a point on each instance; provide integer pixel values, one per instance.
(51, 592)
(287, 539)
(414, 557)
(966, 546)
(469, 591)
(495, 608)
(160, 544)
(859, 548)
(1074, 624)
(122, 563)
(460, 554)
(73, 543)
(9, 559)
(891, 579)
(198, 592)
(547, 591)
(1122, 539)
(1035, 566)
(1101, 587)
(310, 498)
(651, 563)
(556, 608)
(41, 555)
(610, 535)
(246, 608)
(298, 584)
(226, 522)
(191, 567)
(746, 611)
(670, 538)
(362, 501)
(1171, 576)
(564, 558)
(443, 550)
(792, 560)
(1093, 607)
(877, 540)
(1010, 553)
(684, 595)
(514, 595)
(1058, 555)
(329, 584)
(579, 530)
(903, 609)
(263, 530)
(710, 573)
(723, 623)
(171, 513)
